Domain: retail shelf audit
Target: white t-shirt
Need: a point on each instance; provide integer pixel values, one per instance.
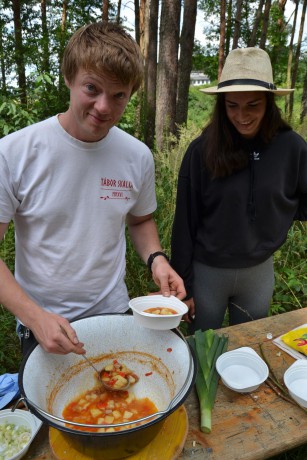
(69, 200)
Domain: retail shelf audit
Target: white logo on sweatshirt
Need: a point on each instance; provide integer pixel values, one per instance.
(256, 156)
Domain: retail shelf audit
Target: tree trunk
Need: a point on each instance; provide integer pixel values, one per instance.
(185, 61)
(256, 23)
(62, 47)
(236, 32)
(119, 7)
(264, 31)
(105, 10)
(278, 42)
(45, 39)
(2, 62)
(222, 37)
(137, 21)
(19, 52)
(304, 98)
(142, 27)
(290, 59)
(228, 27)
(167, 70)
(150, 81)
(297, 55)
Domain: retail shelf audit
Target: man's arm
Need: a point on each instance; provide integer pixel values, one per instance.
(145, 238)
(47, 327)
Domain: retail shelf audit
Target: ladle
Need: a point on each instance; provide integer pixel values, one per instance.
(107, 387)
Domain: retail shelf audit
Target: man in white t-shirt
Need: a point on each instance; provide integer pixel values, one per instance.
(70, 184)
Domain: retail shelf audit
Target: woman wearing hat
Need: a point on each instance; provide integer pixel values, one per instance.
(241, 185)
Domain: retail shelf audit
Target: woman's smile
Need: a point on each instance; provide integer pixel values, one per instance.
(245, 110)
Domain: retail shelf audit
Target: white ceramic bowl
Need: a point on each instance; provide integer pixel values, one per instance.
(242, 370)
(295, 379)
(160, 322)
(21, 418)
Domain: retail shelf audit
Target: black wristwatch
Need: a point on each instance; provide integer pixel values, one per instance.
(152, 257)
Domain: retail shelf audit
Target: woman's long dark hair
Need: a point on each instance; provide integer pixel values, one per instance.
(225, 149)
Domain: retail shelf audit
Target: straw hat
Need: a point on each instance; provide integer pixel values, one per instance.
(247, 69)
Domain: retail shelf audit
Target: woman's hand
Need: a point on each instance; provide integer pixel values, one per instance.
(188, 317)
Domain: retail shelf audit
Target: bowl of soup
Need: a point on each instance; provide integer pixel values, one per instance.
(64, 391)
(158, 312)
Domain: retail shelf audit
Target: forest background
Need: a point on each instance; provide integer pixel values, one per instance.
(167, 113)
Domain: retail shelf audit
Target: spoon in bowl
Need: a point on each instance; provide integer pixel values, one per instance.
(114, 377)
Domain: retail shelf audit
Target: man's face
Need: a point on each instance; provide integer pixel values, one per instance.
(245, 111)
(97, 103)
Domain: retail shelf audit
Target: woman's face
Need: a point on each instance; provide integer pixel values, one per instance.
(245, 110)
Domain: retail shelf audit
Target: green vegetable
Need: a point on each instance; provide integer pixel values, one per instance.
(13, 439)
(208, 346)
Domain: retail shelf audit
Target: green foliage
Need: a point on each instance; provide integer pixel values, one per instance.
(167, 163)
(291, 271)
(200, 107)
(13, 117)
(10, 355)
(277, 32)
(7, 248)
(129, 120)
(204, 60)
(42, 103)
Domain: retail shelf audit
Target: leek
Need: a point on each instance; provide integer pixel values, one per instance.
(208, 346)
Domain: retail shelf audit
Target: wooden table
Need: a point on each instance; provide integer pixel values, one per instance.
(253, 426)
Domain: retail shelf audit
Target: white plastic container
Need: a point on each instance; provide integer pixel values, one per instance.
(160, 322)
(295, 379)
(21, 418)
(242, 370)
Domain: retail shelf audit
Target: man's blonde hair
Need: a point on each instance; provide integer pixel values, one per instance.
(104, 47)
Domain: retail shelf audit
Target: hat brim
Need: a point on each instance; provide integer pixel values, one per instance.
(242, 88)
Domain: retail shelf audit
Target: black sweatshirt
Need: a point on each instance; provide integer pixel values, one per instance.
(240, 220)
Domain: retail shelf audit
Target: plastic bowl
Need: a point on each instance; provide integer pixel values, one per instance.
(242, 370)
(21, 418)
(295, 379)
(160, 322)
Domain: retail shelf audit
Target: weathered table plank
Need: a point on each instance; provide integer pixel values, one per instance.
(256, 425)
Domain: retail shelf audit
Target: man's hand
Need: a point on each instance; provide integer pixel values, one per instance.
(55, 334)
(165, 277)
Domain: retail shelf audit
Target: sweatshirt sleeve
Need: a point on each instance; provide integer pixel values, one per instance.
(301, 213)
(187, 215)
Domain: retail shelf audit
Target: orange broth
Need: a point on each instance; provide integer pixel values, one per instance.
(161, 311)
(106, 408)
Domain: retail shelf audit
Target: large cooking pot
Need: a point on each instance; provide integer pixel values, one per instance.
(48, 382)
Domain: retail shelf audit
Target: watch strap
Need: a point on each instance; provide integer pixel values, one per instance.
(153, 256)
